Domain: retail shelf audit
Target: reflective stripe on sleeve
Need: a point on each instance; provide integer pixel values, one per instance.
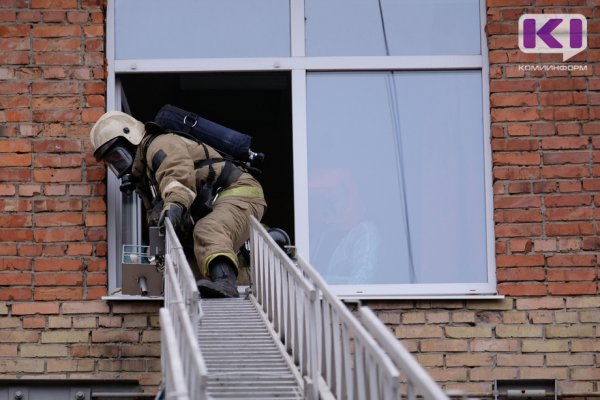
(245, 191)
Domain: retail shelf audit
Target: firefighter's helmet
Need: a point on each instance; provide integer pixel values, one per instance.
(111, 126)
(113, 137)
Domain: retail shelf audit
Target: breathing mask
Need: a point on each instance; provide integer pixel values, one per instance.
(119, 158)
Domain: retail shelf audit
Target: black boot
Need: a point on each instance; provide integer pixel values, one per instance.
(223, 277)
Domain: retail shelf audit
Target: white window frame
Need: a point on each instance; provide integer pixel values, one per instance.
(299, 65)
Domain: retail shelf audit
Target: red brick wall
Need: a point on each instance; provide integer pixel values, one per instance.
(546, 164)
(52, 204)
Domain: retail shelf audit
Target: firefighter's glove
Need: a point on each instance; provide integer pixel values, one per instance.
(173, 211)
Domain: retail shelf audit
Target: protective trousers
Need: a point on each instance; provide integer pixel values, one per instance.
(224, 230)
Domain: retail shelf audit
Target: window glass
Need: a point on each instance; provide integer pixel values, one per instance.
(396, 177)
(392, 27)
(201, 28)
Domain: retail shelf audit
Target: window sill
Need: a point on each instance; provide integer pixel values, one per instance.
(127, 297)
(347, 298)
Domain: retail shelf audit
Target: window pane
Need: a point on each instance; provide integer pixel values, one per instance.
(201, 28)
(392, 27)
(396, 177)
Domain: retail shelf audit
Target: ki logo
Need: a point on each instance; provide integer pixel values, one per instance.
(553, 33)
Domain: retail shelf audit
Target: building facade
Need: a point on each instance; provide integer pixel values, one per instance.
(59, 71)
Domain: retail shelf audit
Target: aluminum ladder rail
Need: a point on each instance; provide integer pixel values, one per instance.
(337, 355)
(231, 354)
(183, 370)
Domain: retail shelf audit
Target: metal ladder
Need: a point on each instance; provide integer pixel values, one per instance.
(290, 338)
(241, 355)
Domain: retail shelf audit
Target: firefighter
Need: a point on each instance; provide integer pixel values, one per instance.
(193, 185)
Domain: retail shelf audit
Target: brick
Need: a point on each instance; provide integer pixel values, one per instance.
(565, 171)
(494, 345)
(34, 322)
(514, 317)
(586, 374)
(65, 336)
(569, 331)
(117, 336)
(109, 322)
(460, 332)
(544, 346)
(567, 274)
(516, 159)
(52, 264)
(84, 322)
(566, 317)
(448, 374)
(522, 289)
(78, 365)
(135, 321)
(59, 279)
(520, 274)
(137, 350)
(583, 260)
(59, 235)
(136, 308)
(22, 366)
(543, 373)
(45, 350)
(510, 331)
(590, 316)
(541, 317)
(463, 316)
(492, 373)
(517, 202)
(572, 288)
(8, 322)
(95, 350)
(418, 331)
(85, 307)
(583, 302)
(59, 322)
(35, 308)
(533, 260)
(585, 345)
(9, 350)
(430, 360)
(520, 360)
(151, 336)
(569, 360)
(443, 345)
(42, 294)
(518, 216)
(548, 303)
(569, 229)
(56, 31)
(518, 230)
(20, 336)
(468, 360)
(569, 214)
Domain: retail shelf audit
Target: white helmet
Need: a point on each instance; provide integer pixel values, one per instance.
(113, 137)
(112, 125)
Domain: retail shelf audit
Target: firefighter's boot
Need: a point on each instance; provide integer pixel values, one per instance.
(223, 280)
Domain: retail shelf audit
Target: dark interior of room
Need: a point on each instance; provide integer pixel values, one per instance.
(257, 104)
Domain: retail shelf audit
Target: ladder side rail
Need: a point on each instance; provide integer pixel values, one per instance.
(195, 372)
(271, 264)
(417, 376)
(171, 365)
(185, 276)
(310, 288)
(344, 326)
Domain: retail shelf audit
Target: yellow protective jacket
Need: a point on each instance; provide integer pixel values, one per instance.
(174, 164)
